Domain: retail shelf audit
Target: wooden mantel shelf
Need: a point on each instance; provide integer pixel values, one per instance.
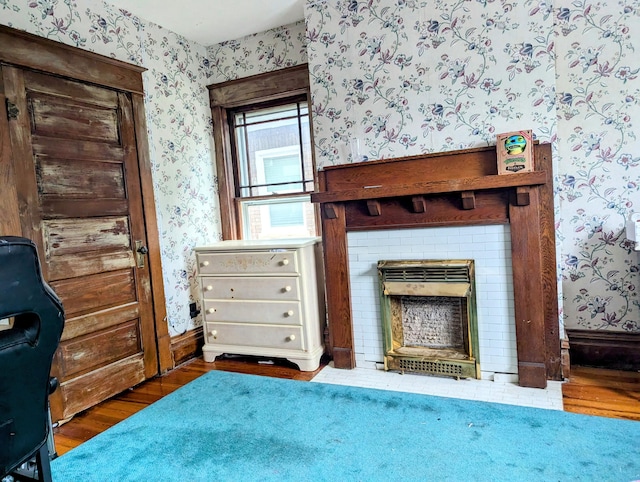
(434, 187)
(457, 188)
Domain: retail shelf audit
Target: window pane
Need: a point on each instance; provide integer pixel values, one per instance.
(268, 114)
(286, 214)
(272, 155)
(306, 150)
(279, 218)
(282, 172)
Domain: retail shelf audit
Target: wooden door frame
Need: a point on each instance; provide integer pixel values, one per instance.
(24, 50)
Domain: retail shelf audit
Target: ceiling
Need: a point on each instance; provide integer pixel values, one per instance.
(209, 22)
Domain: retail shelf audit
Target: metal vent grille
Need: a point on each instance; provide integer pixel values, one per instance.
(428, 274)
(434, 367)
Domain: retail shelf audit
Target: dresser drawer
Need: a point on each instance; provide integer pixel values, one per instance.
(267, 312)
(287, 337)
(248, 288)
(276, 261)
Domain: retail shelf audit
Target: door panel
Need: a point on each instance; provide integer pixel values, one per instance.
(99, 320)
(73, 265)
(58, 117)
(80, 179)
(75, 156)
(108, 346)
(88, 294)
(97, 385)
(69, 236)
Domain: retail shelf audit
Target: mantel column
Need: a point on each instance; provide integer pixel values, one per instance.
(336, 262)
(526, 251)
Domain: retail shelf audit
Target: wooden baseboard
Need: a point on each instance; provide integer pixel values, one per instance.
(605, 349)
(187, 346)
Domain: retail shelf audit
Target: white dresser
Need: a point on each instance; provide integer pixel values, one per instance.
(263, 298)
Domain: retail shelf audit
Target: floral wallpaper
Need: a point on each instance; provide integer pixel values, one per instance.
(179, 122)
(407, 76)
(258, 53)
(598, 106)
(91, 25)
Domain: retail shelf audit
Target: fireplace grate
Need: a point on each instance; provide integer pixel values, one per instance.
(428, 274)
(433, 367)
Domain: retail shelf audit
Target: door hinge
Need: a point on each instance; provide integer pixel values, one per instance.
(12, 110)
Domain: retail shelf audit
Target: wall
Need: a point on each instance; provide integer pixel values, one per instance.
(258, 53)
(407, 77)
(598, 101)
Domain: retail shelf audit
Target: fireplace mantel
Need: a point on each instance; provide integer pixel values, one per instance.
(459, 188)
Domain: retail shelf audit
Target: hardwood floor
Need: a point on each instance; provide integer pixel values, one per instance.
(607, 393)
(591, 391)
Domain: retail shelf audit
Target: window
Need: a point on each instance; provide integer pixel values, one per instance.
(274, 171)
(264, 155)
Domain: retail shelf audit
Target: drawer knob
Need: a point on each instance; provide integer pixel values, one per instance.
(211, 310)
(291, 337)
(205, 263)
(285, 262)
(213, 333)
(287, 289)
(289, 313)
(209, 288)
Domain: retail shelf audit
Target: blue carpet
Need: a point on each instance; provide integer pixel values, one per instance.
(233, 427)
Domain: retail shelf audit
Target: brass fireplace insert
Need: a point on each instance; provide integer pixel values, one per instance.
(429, 321)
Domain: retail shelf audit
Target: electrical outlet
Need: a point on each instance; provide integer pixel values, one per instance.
(193, 310)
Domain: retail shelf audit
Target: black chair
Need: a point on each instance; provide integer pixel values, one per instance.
(32, 322)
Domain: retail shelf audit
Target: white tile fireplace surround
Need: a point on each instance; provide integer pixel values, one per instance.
(490, 248)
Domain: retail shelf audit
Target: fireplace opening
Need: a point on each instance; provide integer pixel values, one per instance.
(429, 321)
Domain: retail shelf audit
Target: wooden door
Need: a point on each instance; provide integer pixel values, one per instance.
(78, 186)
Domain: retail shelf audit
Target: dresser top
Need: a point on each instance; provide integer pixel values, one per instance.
(288, 243)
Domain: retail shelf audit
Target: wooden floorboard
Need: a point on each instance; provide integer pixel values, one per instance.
(606, 393)
(591, 391)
